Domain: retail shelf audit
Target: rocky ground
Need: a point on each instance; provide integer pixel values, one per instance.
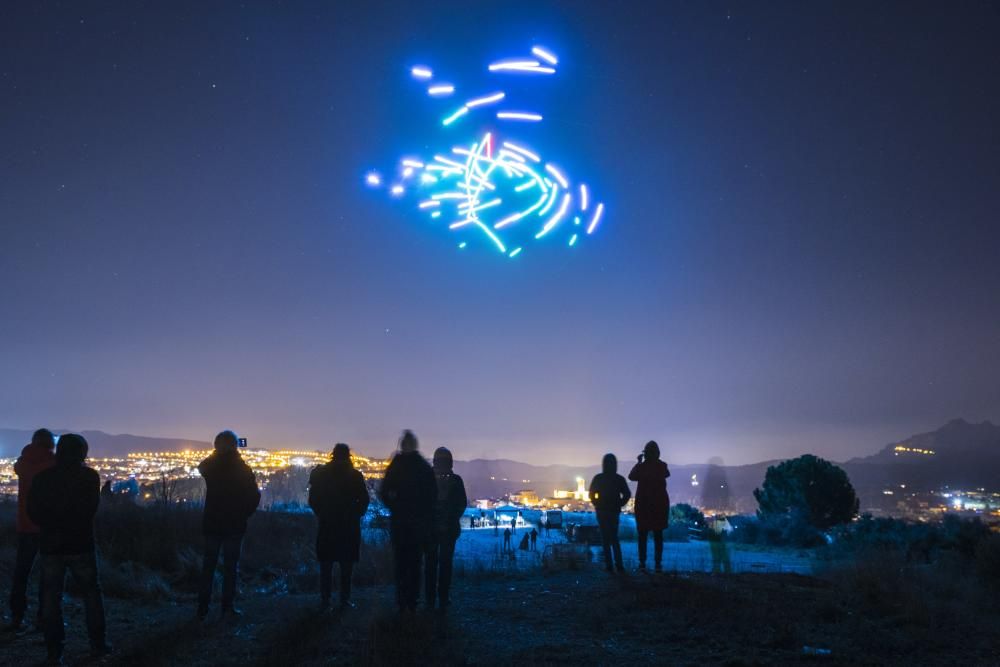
(540, 617)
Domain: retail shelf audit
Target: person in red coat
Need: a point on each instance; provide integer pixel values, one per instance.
(35, 458)
(652, 504)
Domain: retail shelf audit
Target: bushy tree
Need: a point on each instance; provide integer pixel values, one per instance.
(809, 489)
(686, 514)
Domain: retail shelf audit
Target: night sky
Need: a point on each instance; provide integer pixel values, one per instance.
(801, 250)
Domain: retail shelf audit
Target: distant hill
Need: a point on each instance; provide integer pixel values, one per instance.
(959, 454)
(958, 439)
(101, 443)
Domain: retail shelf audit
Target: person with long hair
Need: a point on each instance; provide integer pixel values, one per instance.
(339, 498)
(652, 504)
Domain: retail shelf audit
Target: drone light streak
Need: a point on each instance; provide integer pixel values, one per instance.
(519, 115)
(436, 214)
(554, 220)
(550, 202)
(572, 240)
(407, 172)
(421, 72)
(430, 203)
(450, 163)
(416, 164)
(545, 55)
(533, 66)
(504, 153)
(440, 91)
(597, 218)
(510, 219)
(504, 65)
(514, 253)
(556, 174)
(428, 178)
(524, 186)
(483, 101)
(584, 197)
(489, 204)
(455, 116)
(523, 151)
(462, 244)
(373, 179)
(397, 190)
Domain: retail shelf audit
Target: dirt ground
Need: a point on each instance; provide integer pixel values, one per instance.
(533, 618)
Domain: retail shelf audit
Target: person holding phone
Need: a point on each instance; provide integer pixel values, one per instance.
(652, 504)
(231, 497)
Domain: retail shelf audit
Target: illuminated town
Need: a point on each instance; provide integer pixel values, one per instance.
(146, 474)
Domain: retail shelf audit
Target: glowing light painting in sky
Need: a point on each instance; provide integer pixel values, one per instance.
(491, 189)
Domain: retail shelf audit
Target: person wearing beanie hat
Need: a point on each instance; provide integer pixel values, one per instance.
(63, 502)
(339, 499)
(231, 497)
(448, 510)
(409, 491)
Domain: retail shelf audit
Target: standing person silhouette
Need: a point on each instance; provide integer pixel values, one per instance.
(231, 497)
(35, 457)
(609, 492)
(506, 541)
(339, 498)
(409, 491)
(652, 504)
(448, 511)
(63, 501)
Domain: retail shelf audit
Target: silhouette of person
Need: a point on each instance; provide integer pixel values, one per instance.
(525, 542)
(339, 498)
(106, 494)
(451, 504)
(534, 539)
(609, 492)
(63, 501)
(409, 491)
(506, 540)
(35, 457)
(652, 504)
(231, 497)
(716, 536)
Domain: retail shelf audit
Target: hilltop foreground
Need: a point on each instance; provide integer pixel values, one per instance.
(566, 617)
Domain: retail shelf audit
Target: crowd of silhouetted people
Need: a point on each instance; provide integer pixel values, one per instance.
(58, 497)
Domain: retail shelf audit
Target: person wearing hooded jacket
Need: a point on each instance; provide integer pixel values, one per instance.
(231, 497)
(63, 501)
(339, 499)
(448, 511)
(609, 492)
(35, 457)
(409, 491)
(652, 504)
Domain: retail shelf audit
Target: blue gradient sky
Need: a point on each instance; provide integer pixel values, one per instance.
(800, 251)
